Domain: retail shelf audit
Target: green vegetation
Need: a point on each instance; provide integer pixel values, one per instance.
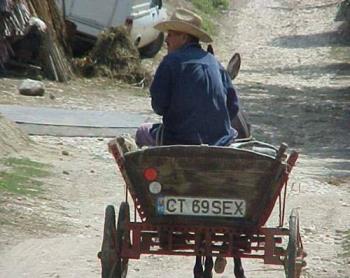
(22, 176)
(344, 238)
(343, 12)
(208, 9)
(211, 7)
(337, 181)
(208, 24)
(346, 244)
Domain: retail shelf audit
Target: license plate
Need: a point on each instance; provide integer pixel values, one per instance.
(169, 205)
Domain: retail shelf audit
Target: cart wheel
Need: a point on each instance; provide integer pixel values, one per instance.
(123, 236)
(294, 257)
(108, 253)
(113, 266)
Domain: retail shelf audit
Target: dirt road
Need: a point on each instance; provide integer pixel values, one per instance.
(294, 86)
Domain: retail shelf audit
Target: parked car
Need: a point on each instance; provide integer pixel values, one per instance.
(90, 17)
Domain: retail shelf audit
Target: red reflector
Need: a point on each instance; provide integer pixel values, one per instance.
(150, 174)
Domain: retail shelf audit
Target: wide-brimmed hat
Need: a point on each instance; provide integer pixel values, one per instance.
(185, 21)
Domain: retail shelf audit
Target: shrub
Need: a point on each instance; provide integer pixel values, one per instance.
(220, 4)
(208, 8)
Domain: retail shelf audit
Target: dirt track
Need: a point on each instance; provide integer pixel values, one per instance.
(294, 86)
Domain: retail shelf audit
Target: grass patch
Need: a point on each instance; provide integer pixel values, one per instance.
(5, 222)
(337, 181)
(208, 9)
(344, 238)
(206, 6)
(346, 244)
(208, 24)
(22, 176)
(211, 7)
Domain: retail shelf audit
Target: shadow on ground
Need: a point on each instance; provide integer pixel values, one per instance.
(338, 69)
(340, 37)
(315, 121)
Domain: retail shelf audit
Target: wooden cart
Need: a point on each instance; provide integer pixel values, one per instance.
(202, 201)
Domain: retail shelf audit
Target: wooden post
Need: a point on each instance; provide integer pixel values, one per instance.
(280, 154)
(53, 57)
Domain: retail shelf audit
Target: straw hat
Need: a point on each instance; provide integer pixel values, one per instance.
(187, 22)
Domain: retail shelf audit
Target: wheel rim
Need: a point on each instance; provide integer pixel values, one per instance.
(292, 246)
(123, 237)
(108, 254)
(113, 265)
(294, 253)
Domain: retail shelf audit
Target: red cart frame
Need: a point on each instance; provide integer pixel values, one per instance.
(149, 233)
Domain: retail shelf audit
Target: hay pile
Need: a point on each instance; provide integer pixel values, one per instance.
(113, 56)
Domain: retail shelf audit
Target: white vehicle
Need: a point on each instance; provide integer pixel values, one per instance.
(91, 17)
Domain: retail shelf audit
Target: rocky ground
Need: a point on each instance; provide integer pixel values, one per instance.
(293, 85)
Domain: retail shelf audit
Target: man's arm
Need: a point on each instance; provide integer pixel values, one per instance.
(161, 88)
(232, 102)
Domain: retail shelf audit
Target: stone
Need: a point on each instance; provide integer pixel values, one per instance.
(31, 87)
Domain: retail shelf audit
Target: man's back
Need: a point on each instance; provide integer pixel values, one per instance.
(189, 92)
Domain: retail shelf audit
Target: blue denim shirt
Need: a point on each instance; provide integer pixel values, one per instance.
(196, 98)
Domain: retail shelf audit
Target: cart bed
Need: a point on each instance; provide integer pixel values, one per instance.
(196, 185)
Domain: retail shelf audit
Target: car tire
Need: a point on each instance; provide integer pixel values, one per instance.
(150, 50)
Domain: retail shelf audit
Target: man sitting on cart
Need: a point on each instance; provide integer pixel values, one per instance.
(194, 94)
(191, 90)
